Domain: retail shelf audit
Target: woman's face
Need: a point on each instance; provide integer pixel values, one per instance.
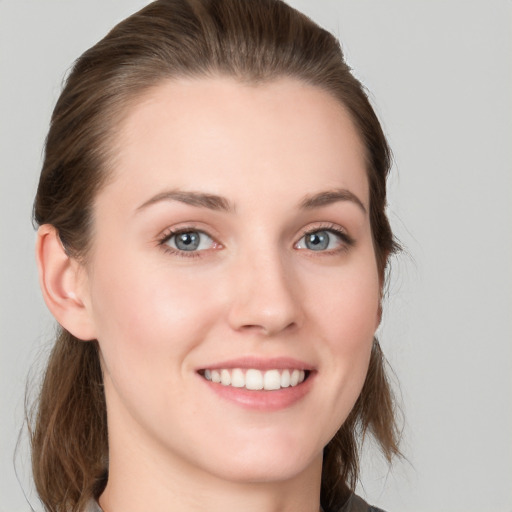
(233, 243)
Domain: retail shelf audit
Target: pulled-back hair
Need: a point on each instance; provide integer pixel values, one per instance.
(253, 41)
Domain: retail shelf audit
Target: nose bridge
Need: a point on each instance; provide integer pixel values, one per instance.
(265, 296)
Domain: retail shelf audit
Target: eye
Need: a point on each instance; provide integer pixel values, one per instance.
(189, 241)
(323, 240)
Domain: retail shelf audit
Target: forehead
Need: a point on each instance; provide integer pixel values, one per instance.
(218, 134)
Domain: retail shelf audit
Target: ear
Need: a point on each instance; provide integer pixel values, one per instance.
(63, 283)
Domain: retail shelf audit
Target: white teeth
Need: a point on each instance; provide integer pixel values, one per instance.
(256, 380)
(271, 380)
(253, 379)
(285, 379)
(225, 377)
(237, 378)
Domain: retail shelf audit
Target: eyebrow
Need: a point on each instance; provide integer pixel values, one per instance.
(331, 196)
(219, 203)
(200, 199)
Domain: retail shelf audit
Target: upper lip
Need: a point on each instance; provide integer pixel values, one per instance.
(259, 363)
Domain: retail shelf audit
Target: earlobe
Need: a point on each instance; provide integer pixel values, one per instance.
(62, 283)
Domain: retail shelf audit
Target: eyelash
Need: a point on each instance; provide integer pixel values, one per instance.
(347, 241)
(167, 235)
(330, 228)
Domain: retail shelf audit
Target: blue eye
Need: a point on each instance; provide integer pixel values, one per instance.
(190, 241)
(322, 240)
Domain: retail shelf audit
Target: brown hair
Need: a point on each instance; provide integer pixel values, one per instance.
(252, 41)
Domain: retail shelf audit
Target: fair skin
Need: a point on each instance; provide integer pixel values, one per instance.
(234, 234)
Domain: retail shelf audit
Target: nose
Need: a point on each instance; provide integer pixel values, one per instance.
(265, 296)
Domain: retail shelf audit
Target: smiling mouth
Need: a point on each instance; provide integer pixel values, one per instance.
(256, 380)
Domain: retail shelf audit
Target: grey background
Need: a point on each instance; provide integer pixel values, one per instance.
(440, 78)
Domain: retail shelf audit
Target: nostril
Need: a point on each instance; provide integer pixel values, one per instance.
(268, 328)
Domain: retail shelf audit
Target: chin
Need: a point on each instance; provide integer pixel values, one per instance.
(266, 463)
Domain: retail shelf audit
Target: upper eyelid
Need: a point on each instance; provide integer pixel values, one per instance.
(327, 226)
(338, 230)
(169, 233)
(176, 230)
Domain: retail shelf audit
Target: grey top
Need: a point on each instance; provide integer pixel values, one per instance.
(354, 504)
(357, 504)
(93, 507)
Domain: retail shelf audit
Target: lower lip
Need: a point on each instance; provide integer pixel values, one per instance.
(262, 400)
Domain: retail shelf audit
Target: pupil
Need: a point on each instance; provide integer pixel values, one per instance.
(187, 241)
(317, 241)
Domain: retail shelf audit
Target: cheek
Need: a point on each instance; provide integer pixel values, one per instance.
(349, 305)
(145, 314)
(349, 313)
(149, 324)
(356, 326)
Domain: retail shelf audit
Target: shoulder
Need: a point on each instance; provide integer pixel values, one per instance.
(92, 506)
(357, 504)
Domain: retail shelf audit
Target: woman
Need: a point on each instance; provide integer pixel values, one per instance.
(213, 242)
